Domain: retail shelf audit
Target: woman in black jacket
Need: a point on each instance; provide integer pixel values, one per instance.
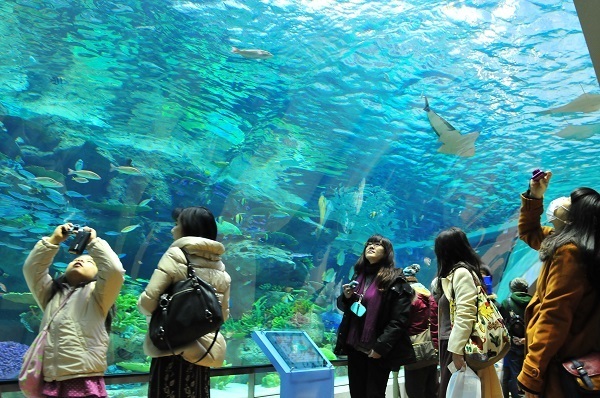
(374, 330)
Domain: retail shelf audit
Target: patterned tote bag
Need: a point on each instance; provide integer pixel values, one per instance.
(489, 341)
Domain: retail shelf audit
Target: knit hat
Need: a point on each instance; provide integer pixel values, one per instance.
(412, 270)
(519, 285)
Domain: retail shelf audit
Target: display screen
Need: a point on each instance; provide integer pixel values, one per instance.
(297, 350)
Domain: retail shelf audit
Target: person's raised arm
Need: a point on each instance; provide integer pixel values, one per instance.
(530, 227)
(111, 273)
(35, 269)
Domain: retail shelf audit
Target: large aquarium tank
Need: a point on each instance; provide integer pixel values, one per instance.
(304, 125)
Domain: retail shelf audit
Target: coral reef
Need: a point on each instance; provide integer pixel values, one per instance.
(11, 357)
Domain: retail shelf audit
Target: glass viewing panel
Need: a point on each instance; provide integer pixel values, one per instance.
(113, 113)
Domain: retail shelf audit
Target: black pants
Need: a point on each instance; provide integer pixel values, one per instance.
(367, 377)
(445, 359)
(421, 383)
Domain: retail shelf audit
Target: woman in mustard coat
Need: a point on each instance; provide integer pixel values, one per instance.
(563, 317)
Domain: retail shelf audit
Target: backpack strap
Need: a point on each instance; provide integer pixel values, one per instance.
(512, 305)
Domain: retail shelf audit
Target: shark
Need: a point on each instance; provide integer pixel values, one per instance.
(453, 142)
(584, 103)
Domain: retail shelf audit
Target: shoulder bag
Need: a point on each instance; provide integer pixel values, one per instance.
(581, 376)
(188, 310)
(31, 376)
(425, 352)
(489, 340)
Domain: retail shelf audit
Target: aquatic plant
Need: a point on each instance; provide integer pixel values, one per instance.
(328, 353)
(32, 319)
(255, 319)
(281, 310)
(127, 318)
(303, 306)
(270, 380)
(138, 367)
(279, 323)
(221, 382)
(329, 339)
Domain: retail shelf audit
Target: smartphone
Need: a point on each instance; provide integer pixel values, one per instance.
(538, 174)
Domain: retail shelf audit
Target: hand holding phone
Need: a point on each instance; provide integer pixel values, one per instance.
(539, 183)
(353, 284)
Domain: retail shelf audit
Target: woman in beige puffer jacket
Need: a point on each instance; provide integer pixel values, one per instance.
(178, 375)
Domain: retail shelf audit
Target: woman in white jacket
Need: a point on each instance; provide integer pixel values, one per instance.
(458, 273)
(82, 298)
(178, 376)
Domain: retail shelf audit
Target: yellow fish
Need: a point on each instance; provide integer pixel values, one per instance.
(325, 209)
(322, 209)
(239, 218)
(372, 214)
(129, 228)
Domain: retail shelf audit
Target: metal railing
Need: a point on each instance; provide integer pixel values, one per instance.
(251, 371)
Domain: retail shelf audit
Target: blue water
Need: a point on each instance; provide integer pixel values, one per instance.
(154, 84)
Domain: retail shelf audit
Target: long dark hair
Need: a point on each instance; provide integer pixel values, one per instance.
(387, 265)
(451, 248)
(582, 229)
(60, 283)
(196, 221)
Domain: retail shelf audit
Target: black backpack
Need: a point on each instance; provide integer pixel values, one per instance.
(515, 322)
(188, 310)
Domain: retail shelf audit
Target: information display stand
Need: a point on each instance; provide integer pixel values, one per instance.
(303, 370)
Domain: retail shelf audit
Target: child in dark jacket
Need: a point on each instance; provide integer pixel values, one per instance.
(513, 312)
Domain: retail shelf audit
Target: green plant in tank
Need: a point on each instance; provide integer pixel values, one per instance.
(271, 380)
(281, 310)
(308, 262)
(329, 339)
(303, 306)
(127, 318)
(220, 382)
(279, 323)
(328, 353)
(255, 319)
(135, 366)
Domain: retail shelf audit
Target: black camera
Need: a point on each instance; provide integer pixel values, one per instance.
(80, 241)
